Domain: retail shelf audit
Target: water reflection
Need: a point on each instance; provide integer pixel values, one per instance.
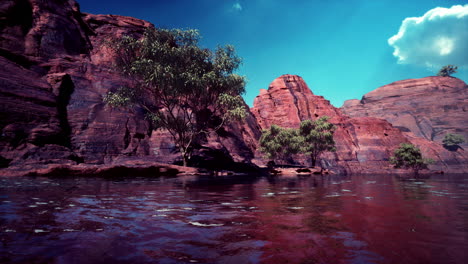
(318, 219)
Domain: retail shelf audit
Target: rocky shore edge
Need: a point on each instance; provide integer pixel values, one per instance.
(128, 168)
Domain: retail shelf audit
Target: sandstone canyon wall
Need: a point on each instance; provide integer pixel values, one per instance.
(54, 73)
(428, 107)
(424, 110)
(364, 142)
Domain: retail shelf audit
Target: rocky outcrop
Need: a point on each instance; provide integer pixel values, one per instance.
(55, 70)
(429, 107)
(424, 110)
(364, 143)
(118, 168)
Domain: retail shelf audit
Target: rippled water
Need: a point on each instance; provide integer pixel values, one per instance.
(317, 219)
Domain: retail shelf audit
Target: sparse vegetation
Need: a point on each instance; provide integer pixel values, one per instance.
(312, 138)
(409, 156)
(183, 88)
(316, 137)
(447, 70)
(452, 141)
(279, 143)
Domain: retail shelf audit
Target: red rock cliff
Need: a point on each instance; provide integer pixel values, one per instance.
(424, 110)
(54, 72)
(364, 144)
(429, 107)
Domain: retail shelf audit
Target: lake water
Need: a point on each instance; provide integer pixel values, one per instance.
(316, 219)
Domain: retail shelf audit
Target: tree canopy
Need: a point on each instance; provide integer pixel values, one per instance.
(279, 143)
(409, 156)
(316, 137)
(185, 89)
(311, 138)
(452, 141)
(447, 70)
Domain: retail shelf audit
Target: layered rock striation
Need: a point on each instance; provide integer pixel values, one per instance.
(55, 71)
(428, 107)
(425, 110)
(364, 142)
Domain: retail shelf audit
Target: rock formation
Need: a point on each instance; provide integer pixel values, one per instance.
(424, 110)
(55, 70)
(428, 107)
(364, 143)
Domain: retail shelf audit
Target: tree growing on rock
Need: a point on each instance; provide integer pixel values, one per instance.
(279, 143)
(182, 87)
(409, 156)
(447, 70)
(452, 141)
(316, 137)
(312, 138)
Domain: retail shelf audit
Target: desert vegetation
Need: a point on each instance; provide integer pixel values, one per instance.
(183, 88)
(408, 156)
(311, 138)
(447, 70)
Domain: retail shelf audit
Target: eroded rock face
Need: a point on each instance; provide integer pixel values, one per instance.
(424, 110)
(55, 70)
(364, 143)
(429, 107)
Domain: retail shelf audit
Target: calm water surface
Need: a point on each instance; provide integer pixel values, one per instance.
(329, 219)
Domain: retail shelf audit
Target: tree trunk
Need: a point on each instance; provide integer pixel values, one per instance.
(314, 160)
(185, 157)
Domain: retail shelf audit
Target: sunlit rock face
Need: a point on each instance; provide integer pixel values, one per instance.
(428, 107)
(55, 73)
(55, 70)
(364, 143)
(424, 110)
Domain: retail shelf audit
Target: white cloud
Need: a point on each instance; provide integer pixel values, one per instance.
(437, 38)
(237, 7)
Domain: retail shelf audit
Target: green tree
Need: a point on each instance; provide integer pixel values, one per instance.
(452, 141)
(447, 70)
(409, 156)
(279, 143)
(183, 88)
(316, 137)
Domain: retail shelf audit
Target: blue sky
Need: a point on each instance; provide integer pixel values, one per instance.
(340, 48)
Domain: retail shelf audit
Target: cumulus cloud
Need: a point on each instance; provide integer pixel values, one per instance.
(237, 7)
(437, 38)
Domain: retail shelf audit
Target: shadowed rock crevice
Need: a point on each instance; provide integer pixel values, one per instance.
(126, 139)
(55, 72)
(16, 18)
(4, 162)
(51, 108)
(21, 60)
(66, 89)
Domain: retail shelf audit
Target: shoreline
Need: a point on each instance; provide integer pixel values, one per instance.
(132, 168)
